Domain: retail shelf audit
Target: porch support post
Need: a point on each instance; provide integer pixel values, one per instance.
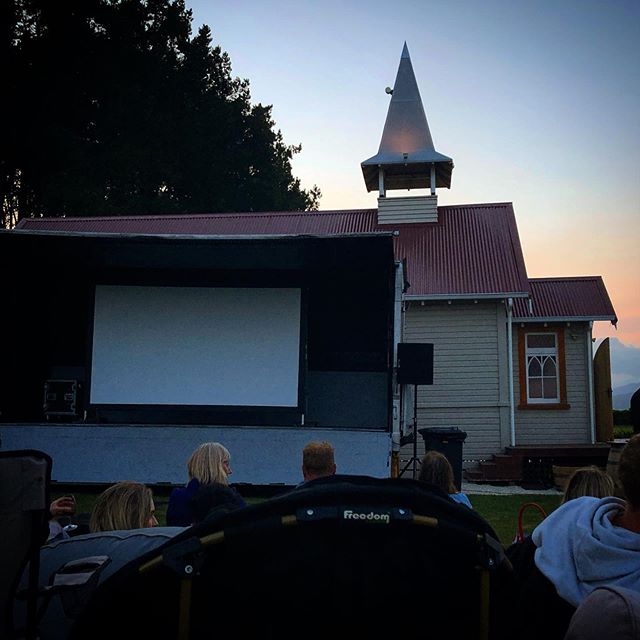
(397, 337)
(592, 408)
(512, 409)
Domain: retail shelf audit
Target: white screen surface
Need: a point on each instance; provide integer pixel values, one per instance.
(196, 346)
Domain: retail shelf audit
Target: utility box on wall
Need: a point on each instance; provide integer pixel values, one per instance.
(60, 398)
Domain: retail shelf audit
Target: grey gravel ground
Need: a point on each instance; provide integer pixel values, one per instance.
(471, 489)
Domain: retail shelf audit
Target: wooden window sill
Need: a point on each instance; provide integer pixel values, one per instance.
(559, 406)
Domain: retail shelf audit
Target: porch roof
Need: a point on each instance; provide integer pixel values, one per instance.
(581, 298)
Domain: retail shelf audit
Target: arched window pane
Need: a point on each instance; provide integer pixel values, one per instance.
(549, 368)
(535, 369)
(542, 366)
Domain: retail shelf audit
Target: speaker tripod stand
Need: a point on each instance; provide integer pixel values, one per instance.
(415, 366)
(413, 461)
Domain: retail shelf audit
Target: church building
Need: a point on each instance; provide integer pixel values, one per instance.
(142, 336)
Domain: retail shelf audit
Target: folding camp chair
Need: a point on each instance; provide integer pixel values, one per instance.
(71, 569)
(345, 553)
(25, 477)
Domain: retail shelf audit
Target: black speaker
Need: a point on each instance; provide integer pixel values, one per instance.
(60, 397)
(415, 363)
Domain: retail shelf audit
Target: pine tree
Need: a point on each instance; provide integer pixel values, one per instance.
(116, 109)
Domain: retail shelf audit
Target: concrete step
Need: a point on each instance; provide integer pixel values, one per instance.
(501, 468)
(472, 475)
(499, 471)
(507, 461)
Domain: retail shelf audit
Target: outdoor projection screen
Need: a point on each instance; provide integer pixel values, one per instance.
(196, 346)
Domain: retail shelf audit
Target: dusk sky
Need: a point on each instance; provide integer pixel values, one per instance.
(537, 102)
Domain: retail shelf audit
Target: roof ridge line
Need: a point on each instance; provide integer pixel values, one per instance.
(476, 205)
(552, 278)
(175, 216)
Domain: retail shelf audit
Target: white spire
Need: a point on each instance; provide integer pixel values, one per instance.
(407, 154)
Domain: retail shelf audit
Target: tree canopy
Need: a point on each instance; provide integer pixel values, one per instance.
(115, 108)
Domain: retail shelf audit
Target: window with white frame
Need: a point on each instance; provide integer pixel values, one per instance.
(541, 357)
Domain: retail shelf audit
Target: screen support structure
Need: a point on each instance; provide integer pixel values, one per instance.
(413, 461)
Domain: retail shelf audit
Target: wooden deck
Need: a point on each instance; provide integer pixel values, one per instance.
(531, 466)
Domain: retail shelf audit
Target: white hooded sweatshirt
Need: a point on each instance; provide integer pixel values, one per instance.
(579, 549)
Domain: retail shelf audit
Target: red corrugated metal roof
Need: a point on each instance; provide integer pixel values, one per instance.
(471, 250)
(577, 298)
(218, 224)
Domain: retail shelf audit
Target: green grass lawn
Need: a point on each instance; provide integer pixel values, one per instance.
(85, 499)
(500, 511)
(622, 431)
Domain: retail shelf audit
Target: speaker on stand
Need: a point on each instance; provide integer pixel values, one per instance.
(415, 366)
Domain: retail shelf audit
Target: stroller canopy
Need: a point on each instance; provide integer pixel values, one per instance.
(341, 552)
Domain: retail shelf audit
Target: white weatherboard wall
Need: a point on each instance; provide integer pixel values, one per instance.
(407, 209)
(159, 454)
(561, 426)
(196, 346)
(470, 376)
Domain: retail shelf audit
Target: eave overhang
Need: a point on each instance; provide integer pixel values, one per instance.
(531, 320)
(467, 296)
(37, 250)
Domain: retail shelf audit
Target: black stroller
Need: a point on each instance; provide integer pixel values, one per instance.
(346, 553)
(25, 477)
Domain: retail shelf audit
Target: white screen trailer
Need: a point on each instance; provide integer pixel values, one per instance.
(200, 346)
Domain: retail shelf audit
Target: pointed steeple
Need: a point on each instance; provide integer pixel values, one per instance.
(407, 158)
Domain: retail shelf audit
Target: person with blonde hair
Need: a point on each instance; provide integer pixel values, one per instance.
(585, 544)
(585, 481)
(318, 460)
(124, 505)
(122, 527)
(589, 481)
(436, 469)
(209, 464)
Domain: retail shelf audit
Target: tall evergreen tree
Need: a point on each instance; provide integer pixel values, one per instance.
(116, 109)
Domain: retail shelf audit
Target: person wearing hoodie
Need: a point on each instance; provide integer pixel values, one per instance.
(607, 612)
(585, 544)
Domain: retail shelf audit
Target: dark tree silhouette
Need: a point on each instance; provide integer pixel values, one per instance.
(114, 108)
(634, 410)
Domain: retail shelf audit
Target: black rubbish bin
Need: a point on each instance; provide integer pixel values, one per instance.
(448, 441)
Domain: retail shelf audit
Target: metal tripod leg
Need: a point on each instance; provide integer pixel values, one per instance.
(414, 459)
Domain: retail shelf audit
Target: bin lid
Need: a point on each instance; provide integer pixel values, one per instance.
(443, 433)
